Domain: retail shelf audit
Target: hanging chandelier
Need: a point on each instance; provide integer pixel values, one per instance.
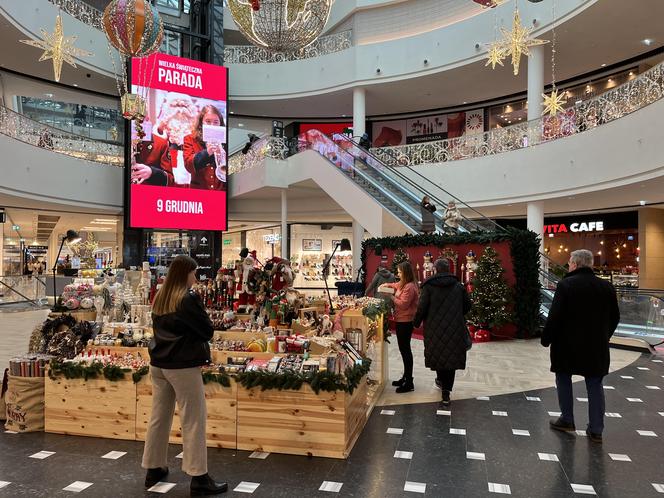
(281, 25)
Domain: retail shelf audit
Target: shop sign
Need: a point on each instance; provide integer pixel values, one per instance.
(272, 238)
(228, 242)
(590, 226)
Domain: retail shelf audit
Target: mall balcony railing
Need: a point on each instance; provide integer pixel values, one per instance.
(250, 54)
(614, 104)
(19, 127)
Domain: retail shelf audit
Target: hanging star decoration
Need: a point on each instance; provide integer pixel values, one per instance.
(58, 47)
(553, 104)
(495, 55)
(514, 43)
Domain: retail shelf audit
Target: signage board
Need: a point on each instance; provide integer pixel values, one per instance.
(177, 177)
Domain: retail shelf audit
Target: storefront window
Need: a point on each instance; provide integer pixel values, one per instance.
(311, 245)
(266, 242)
(231, 245)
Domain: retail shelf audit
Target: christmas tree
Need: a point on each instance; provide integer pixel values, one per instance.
(491, 294)
(399, 257)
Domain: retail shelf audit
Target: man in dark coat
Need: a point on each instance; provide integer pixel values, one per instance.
(442, 306)
(583, 316)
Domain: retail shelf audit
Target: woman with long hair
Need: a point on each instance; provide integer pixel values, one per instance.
(202, 159)
(182, 331)
(406, 295)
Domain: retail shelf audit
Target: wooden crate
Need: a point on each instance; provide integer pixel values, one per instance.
(96, 407)
(221, 414)
(300, 422)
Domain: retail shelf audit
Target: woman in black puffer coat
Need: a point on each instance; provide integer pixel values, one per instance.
(442, 306)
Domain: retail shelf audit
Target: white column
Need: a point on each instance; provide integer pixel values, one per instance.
(359, 111)
(535, 81)
(284, 224)
(358, 235)
(535, 220)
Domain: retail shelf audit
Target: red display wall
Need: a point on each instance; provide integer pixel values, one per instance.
(416, 255)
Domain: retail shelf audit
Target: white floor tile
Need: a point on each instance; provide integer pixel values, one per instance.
(4, 484)
(658, 487)
(162, 487)
(520, 432)
(246, 487)
(394, 430)
(583, 489)
(114, 455)
(647, 433)
(613, 415)
(548, 457)
(331, 487)
(555, 414)
(581, 433)
(634, 400)
(643, 368)
(533, 398)
(261, 455)
(179, 455)
(582, 400)
(77, 486)
(42, 454)
(654, 388)
(619, 457)
(503, 489)
(459, 432)
(387, 412)
(406, 455)
(626, 377)
(483, 398)
(471, 455)
(657, 361)
(499, 414)
(611, 388)
(445, 413)
(415, 487)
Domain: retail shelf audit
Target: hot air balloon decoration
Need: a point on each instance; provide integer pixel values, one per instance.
(135, 29)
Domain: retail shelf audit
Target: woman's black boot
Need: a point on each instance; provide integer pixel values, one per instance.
(407, 386)
(399, 383)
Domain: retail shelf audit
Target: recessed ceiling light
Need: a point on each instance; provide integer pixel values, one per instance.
(240, 125)
(643, 203)
(232, 112)
(604, 65)
(75, 84)
(465, 102)
(647, 41)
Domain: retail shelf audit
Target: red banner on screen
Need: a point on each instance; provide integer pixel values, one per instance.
(178, 174)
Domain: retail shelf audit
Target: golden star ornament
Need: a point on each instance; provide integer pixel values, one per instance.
(58, 47)
(553, 104)
(495, 55)
(518, 41)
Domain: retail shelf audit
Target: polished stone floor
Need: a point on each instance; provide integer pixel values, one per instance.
(498, 444)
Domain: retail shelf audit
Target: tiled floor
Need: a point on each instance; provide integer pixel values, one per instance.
(405, 450)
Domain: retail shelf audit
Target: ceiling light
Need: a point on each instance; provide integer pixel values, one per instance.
(232, 112)
(599, 253)
(647, 41)
(240, 125)
(75, 84)
(643, 203)
(601, 242)
(610, 80)
(631, 73)
(465, 102)
(550, 235)
(604, 65)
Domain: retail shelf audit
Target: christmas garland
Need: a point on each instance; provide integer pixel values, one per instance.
(319, 381)
(220, 377)
(137, 375)
(524, 249)
(373, 311)
(85, 371)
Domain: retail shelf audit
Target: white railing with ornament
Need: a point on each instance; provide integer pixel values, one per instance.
(250, 54)
(81, 11)
(609, 106)
(266, 147)
(19, 127)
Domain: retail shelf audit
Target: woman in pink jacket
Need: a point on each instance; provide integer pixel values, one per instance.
(405, 300)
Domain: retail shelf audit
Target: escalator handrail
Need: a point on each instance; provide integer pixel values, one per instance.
(473, 224)
(456, 199)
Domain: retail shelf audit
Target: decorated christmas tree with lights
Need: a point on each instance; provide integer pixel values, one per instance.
(491, 295)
